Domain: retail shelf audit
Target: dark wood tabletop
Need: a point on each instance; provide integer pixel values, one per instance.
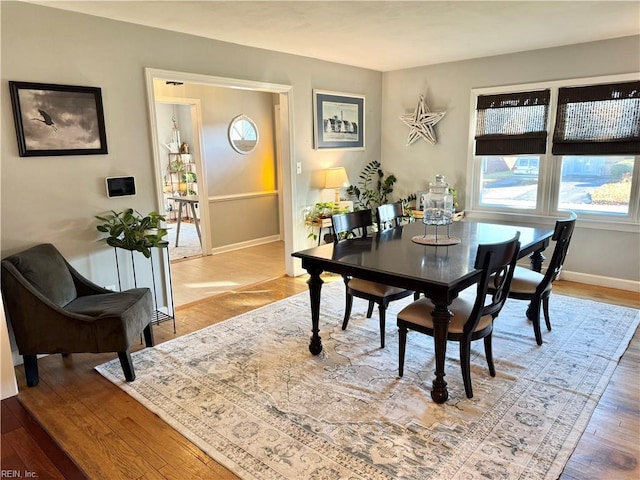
(439, 272)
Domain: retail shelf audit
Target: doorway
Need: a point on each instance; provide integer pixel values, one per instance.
(179, 123)
(283, 124)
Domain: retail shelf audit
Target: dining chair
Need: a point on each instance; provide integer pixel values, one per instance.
(389, 215)
(346, 227)
(471, 319)
(535, 286)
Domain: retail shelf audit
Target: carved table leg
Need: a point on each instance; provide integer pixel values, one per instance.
(536, 259)
(315, 286)
(441, 316)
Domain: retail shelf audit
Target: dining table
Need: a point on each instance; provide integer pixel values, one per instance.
(396, 257)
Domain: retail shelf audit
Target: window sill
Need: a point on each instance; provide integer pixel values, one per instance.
(605, 224)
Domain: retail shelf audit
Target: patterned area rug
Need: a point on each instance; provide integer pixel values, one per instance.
(248, 393)
(188, 243)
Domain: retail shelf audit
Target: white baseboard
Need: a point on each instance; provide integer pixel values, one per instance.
(609, 282)
(589, 279)
(249, 243)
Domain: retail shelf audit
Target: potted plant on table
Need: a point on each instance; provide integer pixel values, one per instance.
(320, 211)
(131, 230)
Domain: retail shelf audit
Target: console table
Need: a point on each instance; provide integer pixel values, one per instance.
(191, 201)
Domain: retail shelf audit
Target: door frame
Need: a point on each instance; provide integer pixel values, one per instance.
(286, 189)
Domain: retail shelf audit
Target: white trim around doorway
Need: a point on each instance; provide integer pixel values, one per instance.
(286, 188)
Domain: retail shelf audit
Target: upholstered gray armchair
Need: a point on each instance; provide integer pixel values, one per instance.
(53, 309)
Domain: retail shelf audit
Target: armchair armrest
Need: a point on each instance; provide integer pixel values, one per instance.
(83, 285)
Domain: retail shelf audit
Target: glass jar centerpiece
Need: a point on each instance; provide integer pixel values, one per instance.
(438, 203)
(438, 210)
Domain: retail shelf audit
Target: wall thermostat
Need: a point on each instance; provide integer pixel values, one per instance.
(120, 186)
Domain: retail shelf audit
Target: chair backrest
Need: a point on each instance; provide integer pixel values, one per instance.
(347, 224)
(562, 236)
(498, 262)
(389, 215)
(45, 269)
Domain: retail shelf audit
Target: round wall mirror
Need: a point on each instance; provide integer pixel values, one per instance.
(243, 134)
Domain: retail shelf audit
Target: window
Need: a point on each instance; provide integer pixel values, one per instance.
(590, 164)
(509, 181)
(597, 185)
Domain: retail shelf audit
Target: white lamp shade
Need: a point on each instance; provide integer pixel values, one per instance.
(336, 178)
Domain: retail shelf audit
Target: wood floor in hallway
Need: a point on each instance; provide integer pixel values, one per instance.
(197, 278)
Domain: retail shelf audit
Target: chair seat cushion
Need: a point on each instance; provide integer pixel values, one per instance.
(373, 288)
(106, 305)
(117, 318)
(419, 313)
(525, 280)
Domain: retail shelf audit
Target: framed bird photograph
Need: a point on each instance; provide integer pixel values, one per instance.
(58, 119)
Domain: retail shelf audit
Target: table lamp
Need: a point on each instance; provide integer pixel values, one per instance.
(336, 178)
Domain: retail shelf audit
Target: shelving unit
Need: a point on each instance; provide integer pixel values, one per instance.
(180, 180)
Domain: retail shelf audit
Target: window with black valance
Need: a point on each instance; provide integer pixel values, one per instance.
(598, 120)
(512, 123)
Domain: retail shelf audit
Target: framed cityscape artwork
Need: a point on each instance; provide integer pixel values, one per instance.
(338, 120)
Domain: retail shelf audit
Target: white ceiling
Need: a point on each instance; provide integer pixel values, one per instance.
(384, 35)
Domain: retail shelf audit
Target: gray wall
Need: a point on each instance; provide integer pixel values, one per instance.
(597, 252)
(54, 199)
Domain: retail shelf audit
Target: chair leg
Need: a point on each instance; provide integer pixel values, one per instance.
(402, 344)
(347, 310)
(488, 354)
(370, 308)
(465, 364)
(382, 309)
(545, 308)
(127, 365)
(535, 319)
(31, 369)
(148, 335)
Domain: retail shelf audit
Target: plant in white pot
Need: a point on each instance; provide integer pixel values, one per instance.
(131, 230)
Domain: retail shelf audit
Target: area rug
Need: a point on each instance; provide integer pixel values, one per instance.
(249, 394)
(188, 243)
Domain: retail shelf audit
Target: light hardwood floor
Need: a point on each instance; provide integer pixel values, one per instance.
(201, 277)
(111, 436)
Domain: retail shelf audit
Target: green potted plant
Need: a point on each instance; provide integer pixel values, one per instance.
(374, 188)
(320, 211)
(131, 230)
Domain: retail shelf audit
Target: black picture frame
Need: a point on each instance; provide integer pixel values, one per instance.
(338, 120)
(58, 120)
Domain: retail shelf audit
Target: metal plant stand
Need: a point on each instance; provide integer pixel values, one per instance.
(158, 316)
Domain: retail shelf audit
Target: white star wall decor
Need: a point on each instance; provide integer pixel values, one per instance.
(422, 122)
